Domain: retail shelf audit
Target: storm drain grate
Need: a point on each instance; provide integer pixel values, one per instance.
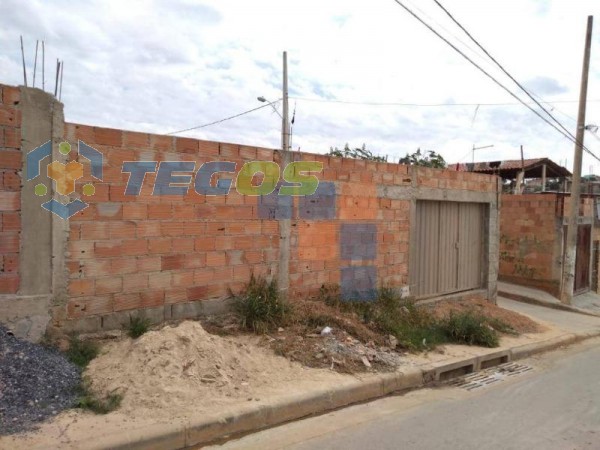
(490, 376)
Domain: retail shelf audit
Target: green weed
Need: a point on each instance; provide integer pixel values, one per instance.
(260, 307)
(90, 401)
(137, 327)
(82, 352)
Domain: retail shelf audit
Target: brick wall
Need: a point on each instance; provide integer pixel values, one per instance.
(527, 238)
(10, 186)
(168, 254)
(129, 252)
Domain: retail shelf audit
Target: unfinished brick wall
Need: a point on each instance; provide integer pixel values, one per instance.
(128, 252)
(178, 256)
(10, 186)
(531, 238)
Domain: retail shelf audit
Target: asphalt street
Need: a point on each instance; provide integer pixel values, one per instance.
(555, 405)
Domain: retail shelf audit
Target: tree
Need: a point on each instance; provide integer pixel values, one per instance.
(428, 158)
(356, 153)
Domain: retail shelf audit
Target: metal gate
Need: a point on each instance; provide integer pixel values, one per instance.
(449, 248)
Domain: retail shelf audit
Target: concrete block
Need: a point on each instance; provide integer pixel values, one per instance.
(26, 316)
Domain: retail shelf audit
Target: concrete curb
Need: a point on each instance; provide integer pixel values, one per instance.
(537, 302)
(206, 429)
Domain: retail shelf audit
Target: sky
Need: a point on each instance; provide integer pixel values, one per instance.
(360, 72)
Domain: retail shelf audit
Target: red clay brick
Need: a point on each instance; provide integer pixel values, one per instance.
(81, 287)
(10, 263)
(9, 283)
(197, 293)
(9, 242)
(10, 116)
(108, 136)
(11, 159)
(161, 280)
(135, 282)
(89, 306)
(132, 139)
(183, 245)
(152, 298)
(108, 249)
(122, 230)
(186, 145)
(12, 138)
(173, 262)
(183, 279)
(11, 95)
(148, 229)
(215, 259)
(160, 211)
(123, 302)
(171, 228)
(109, 285)
(159, 245)
(195, 260)
(203, 276)
(134, 247)
(176, 295)
(94, 231)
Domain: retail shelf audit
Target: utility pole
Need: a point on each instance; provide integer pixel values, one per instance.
(285, 125)
(568, 281)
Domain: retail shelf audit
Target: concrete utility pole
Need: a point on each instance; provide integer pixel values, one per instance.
(285, 224)
(285, 125)
(568, 281)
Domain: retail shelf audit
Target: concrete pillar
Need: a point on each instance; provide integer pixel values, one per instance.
(43, 235)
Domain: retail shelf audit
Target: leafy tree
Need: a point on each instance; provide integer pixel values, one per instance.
(428, 158)
(356, 153)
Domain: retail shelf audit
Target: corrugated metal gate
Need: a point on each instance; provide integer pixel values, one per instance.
(449, 247)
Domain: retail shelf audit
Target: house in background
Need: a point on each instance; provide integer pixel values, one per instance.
(534, 211)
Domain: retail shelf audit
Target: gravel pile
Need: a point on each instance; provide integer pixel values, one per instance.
(35, 383)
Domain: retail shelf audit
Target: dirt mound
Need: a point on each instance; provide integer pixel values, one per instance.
(516, 321)
(184, 364)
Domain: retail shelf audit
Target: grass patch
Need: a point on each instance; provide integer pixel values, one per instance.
(260, 307)
(137, 327)
(469, 328)
(416, 328)
(90, 401)
(82, 352)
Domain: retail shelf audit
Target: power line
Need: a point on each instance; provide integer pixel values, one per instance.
(223, 120)
(483, 70)
(370, 103)
(510, 76)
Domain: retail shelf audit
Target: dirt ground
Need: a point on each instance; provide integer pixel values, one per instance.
(352, 346)
(516, 321)
(178, 371)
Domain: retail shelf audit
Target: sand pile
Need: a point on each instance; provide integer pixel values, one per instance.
(185, 365)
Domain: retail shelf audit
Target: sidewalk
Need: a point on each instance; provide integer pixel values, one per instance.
(76, 430)
(588, 303)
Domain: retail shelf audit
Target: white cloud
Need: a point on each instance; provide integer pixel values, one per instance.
(162, 65)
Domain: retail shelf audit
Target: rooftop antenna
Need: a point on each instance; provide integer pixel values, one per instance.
(56, 80)
(37, 43)
(62, 70)
(43, 66)
(23, 58)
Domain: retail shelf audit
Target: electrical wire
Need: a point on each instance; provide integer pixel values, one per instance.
(368, 103)
(223, 120)
(485, 72)
(501, 67)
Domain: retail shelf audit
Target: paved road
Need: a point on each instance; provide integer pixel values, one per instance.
(554, 406)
